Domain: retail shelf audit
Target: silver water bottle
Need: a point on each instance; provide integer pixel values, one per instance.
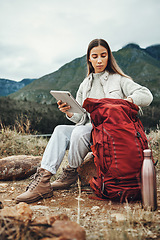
(148, 188)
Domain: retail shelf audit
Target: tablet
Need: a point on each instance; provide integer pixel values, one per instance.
(67, 97)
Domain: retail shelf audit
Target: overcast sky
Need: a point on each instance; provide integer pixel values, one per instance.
(39, 36)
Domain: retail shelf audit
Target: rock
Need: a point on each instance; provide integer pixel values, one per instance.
(1, 205)
(21, 212)
(3, 185)
(18, 167)
(118, 217)
(3, 191)
(87, 170)
(24, 212)
(67, 229)
(50, 219)
(95, 208)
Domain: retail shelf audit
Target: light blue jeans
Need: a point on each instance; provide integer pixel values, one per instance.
(74, 138)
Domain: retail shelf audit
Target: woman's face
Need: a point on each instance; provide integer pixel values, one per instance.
(99, 58)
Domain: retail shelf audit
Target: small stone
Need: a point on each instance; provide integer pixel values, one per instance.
(39, 207)
(1, 205)
(3, 185)
(3, 191)
(79, 199)
(118, 216)
(95, 208)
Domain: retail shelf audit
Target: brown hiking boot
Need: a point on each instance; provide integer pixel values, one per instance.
(66, 179)
(39, 188)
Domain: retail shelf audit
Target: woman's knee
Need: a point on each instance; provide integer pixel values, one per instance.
(59, 128)
(63, 130)
(79, 133)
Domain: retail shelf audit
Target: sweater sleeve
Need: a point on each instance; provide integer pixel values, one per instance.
(141, 95)
(78, 118)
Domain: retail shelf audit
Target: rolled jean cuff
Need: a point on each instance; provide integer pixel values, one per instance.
(49, 169)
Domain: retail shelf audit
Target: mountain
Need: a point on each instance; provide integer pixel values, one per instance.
(154, 51)
(143, 65)
(9, 86)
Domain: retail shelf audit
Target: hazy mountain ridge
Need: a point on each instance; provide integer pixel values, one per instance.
(9, 86)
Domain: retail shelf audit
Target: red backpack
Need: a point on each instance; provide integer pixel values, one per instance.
(118, 143)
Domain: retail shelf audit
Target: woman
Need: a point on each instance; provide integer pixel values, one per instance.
(105, 80)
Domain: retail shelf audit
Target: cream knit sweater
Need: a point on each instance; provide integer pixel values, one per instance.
(110, 86)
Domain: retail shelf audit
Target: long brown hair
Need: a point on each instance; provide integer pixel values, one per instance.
(112, 66)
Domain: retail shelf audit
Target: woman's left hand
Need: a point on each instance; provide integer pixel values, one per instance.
(129, 99)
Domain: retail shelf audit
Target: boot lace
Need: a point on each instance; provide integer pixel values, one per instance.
(36, 179)
(63, 175)
(66, 174)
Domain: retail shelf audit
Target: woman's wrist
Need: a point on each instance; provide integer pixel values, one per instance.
(129, 99)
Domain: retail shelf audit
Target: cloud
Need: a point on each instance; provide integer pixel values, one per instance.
(38, 37)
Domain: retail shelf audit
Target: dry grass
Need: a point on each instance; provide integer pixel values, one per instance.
(154, 142)
(19, 142)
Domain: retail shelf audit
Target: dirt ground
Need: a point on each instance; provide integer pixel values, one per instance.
(100, 219)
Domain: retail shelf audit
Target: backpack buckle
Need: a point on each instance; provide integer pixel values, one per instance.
(103, 186)
(138, 135)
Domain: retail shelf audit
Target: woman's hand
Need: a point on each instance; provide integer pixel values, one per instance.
(63, 107)
(129, 99)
